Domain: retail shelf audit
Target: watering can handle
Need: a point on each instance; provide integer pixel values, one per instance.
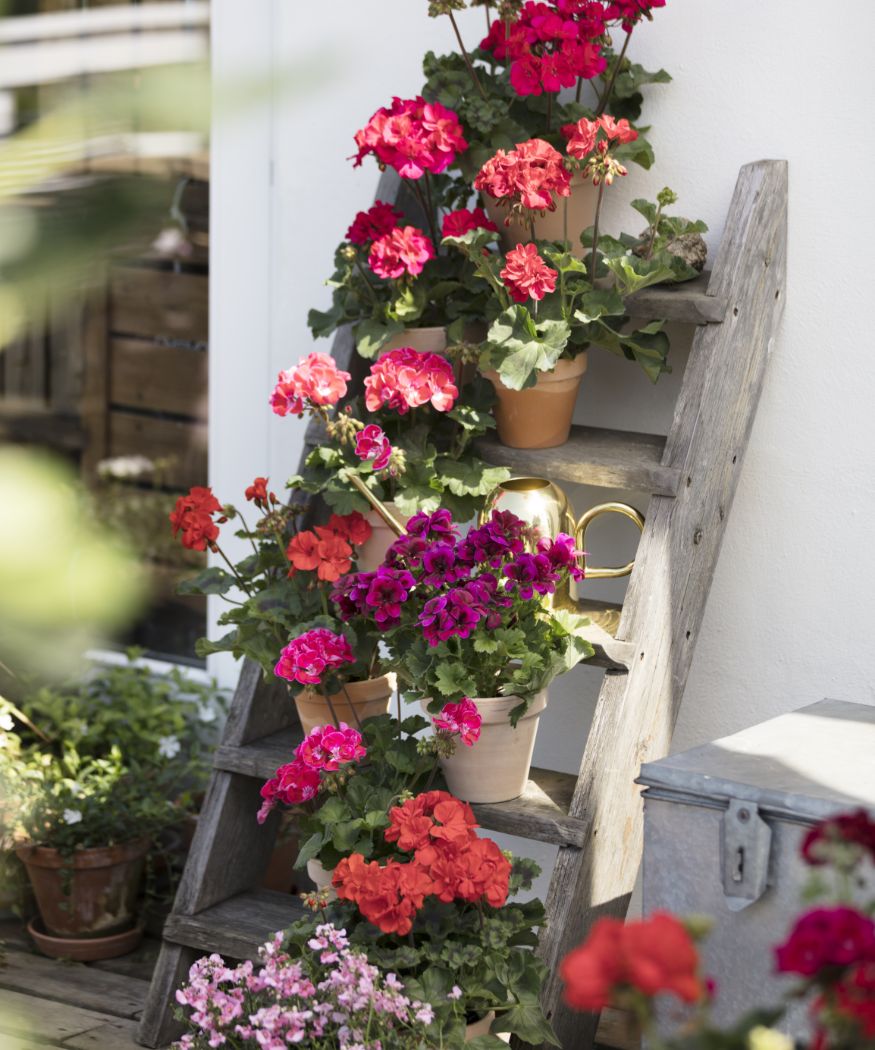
(584, 523)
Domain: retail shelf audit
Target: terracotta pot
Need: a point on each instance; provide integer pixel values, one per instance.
(572, 216)
(97, 887)
(280, 874)
(427, 340)
(373, 550)
(85, 949)
(496, 768)
(321, 876)
(539, 416)
(481, 1027)
(360, 701)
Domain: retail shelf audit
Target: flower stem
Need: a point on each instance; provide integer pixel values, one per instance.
(609, 87)
(236, 574)
(432, 218)
(549, 109)
(467, 57)
(595, 234)
(368, 284)
(334, 717)
(426, 210)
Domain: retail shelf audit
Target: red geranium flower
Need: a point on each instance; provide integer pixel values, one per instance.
(855, 998)
(825, 938)
(192, 516)
(404, 249)
(526, 275)
(529, 176)
(833, 836)
(257, 493)
(458, 223)
(368, 225)
(353, 527)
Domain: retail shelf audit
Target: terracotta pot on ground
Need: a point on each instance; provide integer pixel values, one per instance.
(539, 416)
(427, 340)
(91, 894)
(496, 768)
(572, 216)
(373, 550)
(85, 949)
(360, 701)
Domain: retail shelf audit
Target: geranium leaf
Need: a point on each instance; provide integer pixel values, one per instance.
(209, 581)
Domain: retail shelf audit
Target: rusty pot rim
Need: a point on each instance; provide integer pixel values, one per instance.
(38, 856)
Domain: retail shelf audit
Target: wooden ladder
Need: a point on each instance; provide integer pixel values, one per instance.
(595, 818)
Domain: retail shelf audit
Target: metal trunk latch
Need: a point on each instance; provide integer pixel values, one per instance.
(747, 840)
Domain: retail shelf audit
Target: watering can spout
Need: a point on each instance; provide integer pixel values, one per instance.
(394, 524)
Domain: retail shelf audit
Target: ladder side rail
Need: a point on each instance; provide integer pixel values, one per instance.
(636, 713)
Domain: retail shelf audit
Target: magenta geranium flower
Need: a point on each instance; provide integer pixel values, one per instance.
(372, 444)
(412, 136)
(454, 614)
(531, 574)
(388, 591)
(329, 747)
(306, 658)
(367, 226)
(350, 594)
(406, 378)
(293, 784)
(462, 720)
(404, 250)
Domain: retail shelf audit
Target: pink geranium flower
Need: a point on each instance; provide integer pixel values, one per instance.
(293, 784)
(306, 658)
(458, 223)
(403, 250)
(314, 381)
(526, 275)
(372, 444)
(591, 141)
(406, 378)
(368, 225)
(329, 747)
(530, 176)
(462, 720)
(412, 136)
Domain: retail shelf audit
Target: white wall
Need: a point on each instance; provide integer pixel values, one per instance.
(790, 615)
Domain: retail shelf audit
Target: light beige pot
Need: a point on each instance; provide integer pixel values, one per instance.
(481, 1027)
(321, 876)
(539, 416)
(572, 216)
(426, 340)
(361, 700)
(496, 768)
(373, 550)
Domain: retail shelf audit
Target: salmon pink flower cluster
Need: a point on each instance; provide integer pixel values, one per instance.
(653, 956)
(306, 658)
(458, 223)
(368, 225)
(372, 445)
(330, 997)
(530, 176)
(449, 861)
(591, 141)
(406, 378)
(413, 137)
(462, 720)
(526, 275)
(327, 550)
(315, 381)
(550, 47)
(403, 250)
(193, 517)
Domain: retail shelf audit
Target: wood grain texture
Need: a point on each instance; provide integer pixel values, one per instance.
(635, 714)
(693, 302)
(35, 424)
(235, 927)
(158, 1026)
(158, 378)
(51, 1023)
(117, 1034)
(73, 983)
(614, 459)
(183, 444)
(158, 303)
(618, 1031)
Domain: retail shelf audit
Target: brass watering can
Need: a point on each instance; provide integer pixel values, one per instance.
(545, 506)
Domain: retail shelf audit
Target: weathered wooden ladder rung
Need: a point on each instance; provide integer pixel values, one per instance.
(646, 645)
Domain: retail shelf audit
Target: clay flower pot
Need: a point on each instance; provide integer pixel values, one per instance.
(539, 416)
(361, 700)
(373, 550)
(321, 876)
(496, 768)
(481, 1027)
(427, 340)
(572, 216)
(91, 894)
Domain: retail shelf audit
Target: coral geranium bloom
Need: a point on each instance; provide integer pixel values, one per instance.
(526, 275)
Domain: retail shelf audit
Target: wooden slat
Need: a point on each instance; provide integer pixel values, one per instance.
(73, 983)
(120, 17)
(693, 302)
(259, 759)
(159, 304)
(117, 1034)
(159, 378)
(184, 443)
(95, 381)
(665, 601)
(38, 425)
(236, 927)
(614, 459)
(46, 1021)
(618, 1031)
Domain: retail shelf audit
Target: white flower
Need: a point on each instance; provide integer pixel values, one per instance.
(206, 713)
(75, 788)
(72, 816)
(169, 747)
(7, 722)
(125, 467)
(456, 992)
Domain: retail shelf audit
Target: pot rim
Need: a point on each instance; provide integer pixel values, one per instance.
(564, 369)
(495, 709)
(34, 855)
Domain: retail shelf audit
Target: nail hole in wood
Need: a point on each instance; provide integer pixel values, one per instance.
(778, 294)
(688, 635)
(697, 536)
(735, 311)
(734, 458)
(689, 482)
(641, 657)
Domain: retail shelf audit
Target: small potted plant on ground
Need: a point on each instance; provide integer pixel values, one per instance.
(466, 622)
